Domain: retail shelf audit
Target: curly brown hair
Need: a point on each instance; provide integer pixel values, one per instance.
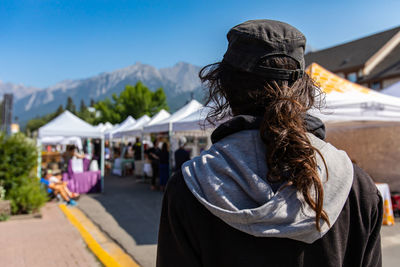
(283, 104)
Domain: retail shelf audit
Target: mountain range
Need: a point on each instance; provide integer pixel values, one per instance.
(179, 82)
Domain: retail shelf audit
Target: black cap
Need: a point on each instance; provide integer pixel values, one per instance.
(254, 40)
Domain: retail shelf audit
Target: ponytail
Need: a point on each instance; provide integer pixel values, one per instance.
(290, 155)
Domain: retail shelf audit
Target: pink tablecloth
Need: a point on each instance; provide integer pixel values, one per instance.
(85, 182)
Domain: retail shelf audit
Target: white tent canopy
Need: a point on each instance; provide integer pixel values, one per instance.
(347, 101)
(193, 122)
(164, 125)
(159, 116)
(67, 125)
(103, 127)
(135, 129)
(128, 122)
(54, 140)
(392, 90)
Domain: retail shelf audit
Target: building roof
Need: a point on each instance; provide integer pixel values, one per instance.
(388, 67)
(351, 55)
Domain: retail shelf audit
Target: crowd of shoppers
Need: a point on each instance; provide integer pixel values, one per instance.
(159, 158)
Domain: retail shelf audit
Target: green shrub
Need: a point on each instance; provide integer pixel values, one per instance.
(4, 217)
(2, 192)
(18, 161)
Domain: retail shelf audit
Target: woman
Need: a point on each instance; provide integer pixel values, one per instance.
(269, 191)
(154, 157)
(164, 166)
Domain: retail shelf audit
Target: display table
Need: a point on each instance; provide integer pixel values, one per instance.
(388, 217)
(83, 182)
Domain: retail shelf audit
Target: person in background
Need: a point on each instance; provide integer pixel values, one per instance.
(137, 147)
(164, 166)
(107, 154)
(154, 156)
(96, 153)
(181, 155)
(69, 154)
(129, 154)
(55, 183)
(270, 191)
(147, 170)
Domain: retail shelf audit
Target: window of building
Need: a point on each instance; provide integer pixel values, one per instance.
(352, 77)
(376, 85)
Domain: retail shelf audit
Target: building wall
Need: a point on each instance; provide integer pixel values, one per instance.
(374, 146)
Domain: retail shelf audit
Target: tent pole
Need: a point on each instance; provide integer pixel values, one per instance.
(170, 134)
(39, 159)
(142, 153)
(111, 146)
(102, 164)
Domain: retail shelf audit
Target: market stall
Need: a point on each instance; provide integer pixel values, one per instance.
(128, 122)
(68, 125)
(347, 101)
(167, 124)
(134, 129)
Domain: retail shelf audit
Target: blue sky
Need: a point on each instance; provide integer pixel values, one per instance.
(43, 42)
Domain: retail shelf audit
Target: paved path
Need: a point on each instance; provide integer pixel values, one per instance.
(50, 241)
(391, 244)
(129, 213)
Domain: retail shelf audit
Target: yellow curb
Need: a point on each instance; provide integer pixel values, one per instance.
(109, 253)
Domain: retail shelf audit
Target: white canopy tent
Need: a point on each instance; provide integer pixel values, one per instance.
(68, 125)
(104, 127)
(347, 101)
(158, 117)
(166, 124)
(128, 122)
(135, 129)
(193, 122)
(54, 140)
(392, 90)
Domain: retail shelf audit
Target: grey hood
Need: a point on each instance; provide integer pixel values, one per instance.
(229, 179)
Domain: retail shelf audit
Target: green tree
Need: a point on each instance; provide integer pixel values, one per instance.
(82, 107)
(107, 111)
(85, 114)
(70, 105)
(59, 110)
(134, 101)
(35, 123)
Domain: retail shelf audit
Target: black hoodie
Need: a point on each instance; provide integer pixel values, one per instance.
(190, 235)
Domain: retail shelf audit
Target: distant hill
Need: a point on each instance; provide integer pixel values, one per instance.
(178, 83)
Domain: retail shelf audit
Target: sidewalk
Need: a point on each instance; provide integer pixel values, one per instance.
(50, 241)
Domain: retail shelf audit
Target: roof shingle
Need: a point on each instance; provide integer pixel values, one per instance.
(350, 55)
